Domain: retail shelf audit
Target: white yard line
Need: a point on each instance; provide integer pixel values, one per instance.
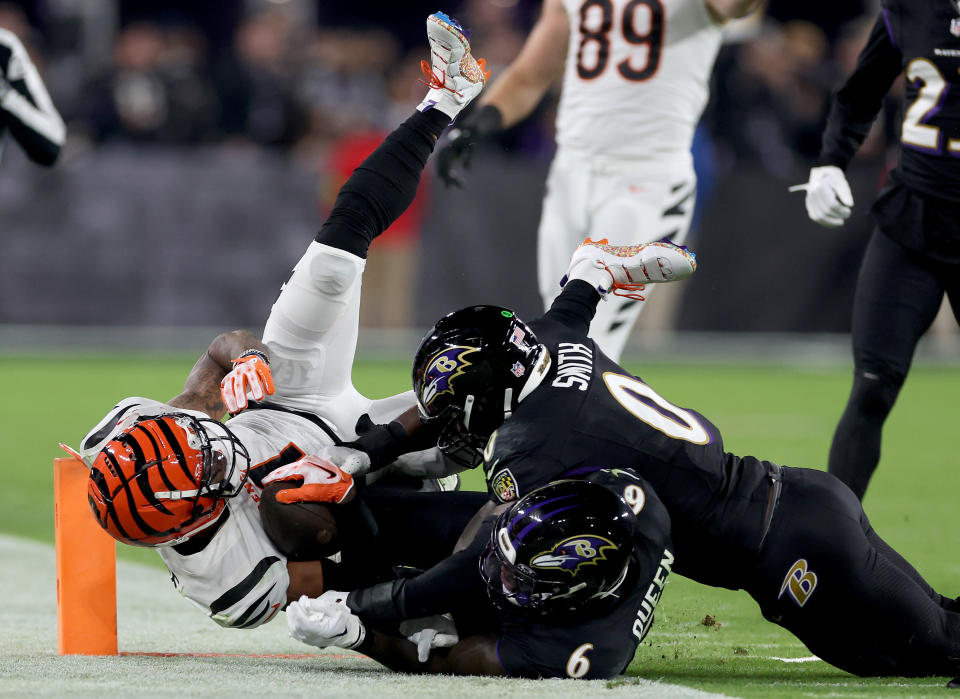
(210, 661)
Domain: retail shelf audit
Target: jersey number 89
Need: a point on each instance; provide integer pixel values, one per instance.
(642, 26)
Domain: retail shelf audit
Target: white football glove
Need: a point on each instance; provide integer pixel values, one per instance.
(829, 199)
(325, 621)
(430, 632)
(250, 373)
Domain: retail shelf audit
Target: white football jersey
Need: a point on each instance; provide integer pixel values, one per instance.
(637, 76)
(239, 578)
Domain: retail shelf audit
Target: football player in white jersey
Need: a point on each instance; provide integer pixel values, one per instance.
(635, 82)
(172, 476)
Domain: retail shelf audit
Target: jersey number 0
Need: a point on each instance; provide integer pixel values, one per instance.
(642, 26)
(647, 405)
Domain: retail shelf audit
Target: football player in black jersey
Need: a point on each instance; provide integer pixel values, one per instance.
(549, 405)
(569, 578)
(913, 257)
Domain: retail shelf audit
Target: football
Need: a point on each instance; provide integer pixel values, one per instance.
(302, 531)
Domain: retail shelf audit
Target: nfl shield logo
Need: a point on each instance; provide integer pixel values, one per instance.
(955, 26)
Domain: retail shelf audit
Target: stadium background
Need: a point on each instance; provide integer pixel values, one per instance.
(206, 142)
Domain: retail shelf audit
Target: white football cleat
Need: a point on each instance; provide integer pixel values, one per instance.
(453, 75)
(625, 269)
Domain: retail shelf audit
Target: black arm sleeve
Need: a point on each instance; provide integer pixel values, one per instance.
(856, 104)
(442, 589)
(384, 184)
(575, 307)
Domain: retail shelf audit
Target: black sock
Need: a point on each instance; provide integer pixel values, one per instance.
(383, 186)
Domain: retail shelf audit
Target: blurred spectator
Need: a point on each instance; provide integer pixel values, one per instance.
(770, 97)
(256, 84)
(156, 89)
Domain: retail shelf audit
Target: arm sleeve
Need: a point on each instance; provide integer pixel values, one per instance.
(25, 105)
(575, 307)
(383, 185)
(439, 590)
(856, 104)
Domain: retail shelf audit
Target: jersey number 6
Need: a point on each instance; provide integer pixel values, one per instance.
(642, 26)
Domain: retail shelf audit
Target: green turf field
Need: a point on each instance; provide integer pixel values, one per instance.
(785, 414)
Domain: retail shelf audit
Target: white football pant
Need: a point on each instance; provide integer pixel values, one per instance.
(626, 202)
(312, 336)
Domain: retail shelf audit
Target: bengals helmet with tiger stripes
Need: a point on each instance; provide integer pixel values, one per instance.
(165, 478)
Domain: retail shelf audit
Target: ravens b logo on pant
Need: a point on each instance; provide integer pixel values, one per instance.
(799, 583)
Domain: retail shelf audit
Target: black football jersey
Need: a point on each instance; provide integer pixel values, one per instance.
(590, 414)
(601, 641)
(922, 41)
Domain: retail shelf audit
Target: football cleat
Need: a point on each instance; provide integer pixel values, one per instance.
(453, 75)
(626, 269)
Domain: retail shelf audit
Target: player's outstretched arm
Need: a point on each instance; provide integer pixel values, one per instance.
(326, 621)
(523, 84)
(25, 105)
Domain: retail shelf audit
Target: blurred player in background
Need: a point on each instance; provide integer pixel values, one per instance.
(26, 110)
(172, 476)
(913, 257)
(635, 81)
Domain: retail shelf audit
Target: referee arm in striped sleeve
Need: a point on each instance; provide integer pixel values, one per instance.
(26, 109)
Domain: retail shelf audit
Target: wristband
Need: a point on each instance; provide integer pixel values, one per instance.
(253, 353)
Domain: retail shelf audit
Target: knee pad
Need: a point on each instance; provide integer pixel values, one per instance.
(322, 286)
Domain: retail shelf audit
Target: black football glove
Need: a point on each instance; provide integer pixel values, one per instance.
(453, 157)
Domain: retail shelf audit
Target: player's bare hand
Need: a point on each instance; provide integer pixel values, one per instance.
(250, 376)
(319, 481)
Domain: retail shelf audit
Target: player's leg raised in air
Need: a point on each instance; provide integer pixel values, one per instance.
(313, 324)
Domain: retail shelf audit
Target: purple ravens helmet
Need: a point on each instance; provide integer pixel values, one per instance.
(471, 371)
(561, 547)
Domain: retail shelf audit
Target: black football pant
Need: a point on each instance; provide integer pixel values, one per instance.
(898, 295)
(828, 578)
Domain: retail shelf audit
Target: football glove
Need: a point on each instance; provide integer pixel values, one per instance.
(320, 481)
(429, 633)
(251, 373)
(453, 157)
(325, 621)
(829, 200)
